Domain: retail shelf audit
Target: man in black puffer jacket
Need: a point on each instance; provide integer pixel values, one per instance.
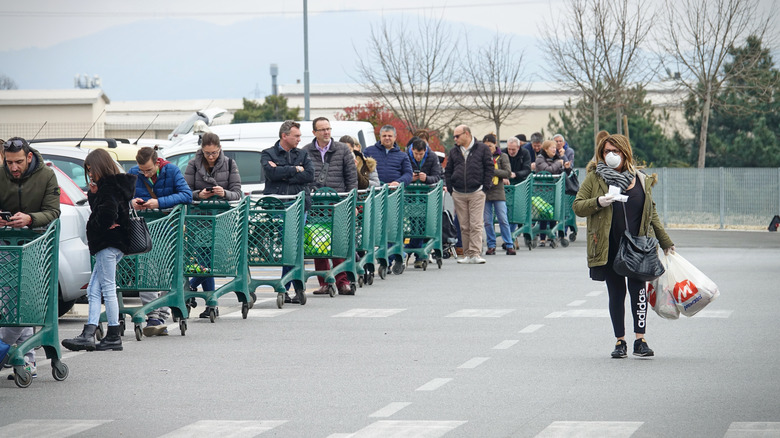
(468, 175)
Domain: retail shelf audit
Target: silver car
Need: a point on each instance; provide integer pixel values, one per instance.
(75, 267)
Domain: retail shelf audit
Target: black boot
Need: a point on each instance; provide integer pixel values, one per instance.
(84, 341)
(111, 341)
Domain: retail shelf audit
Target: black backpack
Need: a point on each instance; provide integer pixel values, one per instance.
(775, 223)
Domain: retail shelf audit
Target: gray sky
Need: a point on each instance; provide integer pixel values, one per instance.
(44, 23)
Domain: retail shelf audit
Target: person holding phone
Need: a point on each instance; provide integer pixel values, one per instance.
(30, 197)
(211, 175)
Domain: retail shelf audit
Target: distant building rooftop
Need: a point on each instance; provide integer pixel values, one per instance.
(52, 97)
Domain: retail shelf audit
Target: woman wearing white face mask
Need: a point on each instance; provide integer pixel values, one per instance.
(606, 222)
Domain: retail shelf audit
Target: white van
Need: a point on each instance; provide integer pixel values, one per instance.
(245, 141)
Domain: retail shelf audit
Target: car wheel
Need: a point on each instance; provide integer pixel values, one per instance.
(64, 306)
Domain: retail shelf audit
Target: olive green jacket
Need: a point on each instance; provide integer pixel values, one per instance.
(36, 193)
(600, 218)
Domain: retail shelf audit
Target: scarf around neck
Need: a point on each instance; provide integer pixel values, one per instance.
(613, 177)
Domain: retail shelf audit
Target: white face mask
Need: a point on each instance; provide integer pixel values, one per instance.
(613, 160)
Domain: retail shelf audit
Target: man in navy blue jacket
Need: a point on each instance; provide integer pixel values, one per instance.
(392, 164)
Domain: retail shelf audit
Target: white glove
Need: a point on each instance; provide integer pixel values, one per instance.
(606, 200)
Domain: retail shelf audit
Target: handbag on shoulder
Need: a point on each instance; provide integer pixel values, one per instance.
(637, 256)
(140, 240)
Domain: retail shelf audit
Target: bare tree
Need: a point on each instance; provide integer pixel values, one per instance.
(577, 55)
(622, 37)
(7, 83)
(410, 70)
(696, 40)
(491, 87)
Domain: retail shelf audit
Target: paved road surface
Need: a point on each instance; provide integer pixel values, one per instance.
(518, 347)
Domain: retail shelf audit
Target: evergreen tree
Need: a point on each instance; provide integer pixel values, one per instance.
(648, 141)
(274, 109)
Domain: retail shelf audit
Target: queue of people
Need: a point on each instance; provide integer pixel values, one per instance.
(474, 175)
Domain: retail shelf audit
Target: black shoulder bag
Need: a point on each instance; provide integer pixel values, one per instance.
(139, 238)
(637, 256)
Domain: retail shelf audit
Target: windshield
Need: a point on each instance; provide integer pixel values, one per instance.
(186, 126)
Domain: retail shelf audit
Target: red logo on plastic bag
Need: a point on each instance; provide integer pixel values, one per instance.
(651, 294)
(684, 290)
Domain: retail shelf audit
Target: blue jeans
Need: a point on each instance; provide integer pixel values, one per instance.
(207, 282)
(102, 283)
(500, 210)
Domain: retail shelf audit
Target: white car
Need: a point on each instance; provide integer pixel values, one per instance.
(75, 268)
(246, 154)
(245, 141)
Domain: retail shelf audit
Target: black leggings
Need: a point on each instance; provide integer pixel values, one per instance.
(616, 288)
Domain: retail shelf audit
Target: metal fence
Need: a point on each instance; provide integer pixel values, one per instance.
(724, 197)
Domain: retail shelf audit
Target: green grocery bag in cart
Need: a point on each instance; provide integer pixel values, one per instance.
(317, 239)
(541, 209)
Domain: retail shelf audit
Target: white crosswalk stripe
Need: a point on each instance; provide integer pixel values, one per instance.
(434, 384)
(417, 429)
(474, 362)
(389, 410)
(224, 429)
(753, 429)
(595, 429)
(368, 313)
(49, 428)
(531, 328)
(576, 303)
(480, 313)
(580, 313)
(503, 345)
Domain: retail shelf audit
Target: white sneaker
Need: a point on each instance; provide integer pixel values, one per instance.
(477, 260)
(464, 259)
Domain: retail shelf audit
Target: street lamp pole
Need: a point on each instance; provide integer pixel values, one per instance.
(306, 61)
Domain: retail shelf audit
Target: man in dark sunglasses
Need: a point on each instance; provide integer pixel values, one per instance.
(30, 193)
(28, 188)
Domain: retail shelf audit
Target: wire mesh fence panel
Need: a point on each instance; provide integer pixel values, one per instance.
(26, 275)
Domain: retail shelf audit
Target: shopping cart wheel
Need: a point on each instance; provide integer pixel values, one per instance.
(300, 295)
(122, 327)
(254, 299)
(398, 268)
(59, 370)
(370, 280)
(99, 332)
(553, 243)
(564, 242)
(22, 377)
(382, 272)
(138, 333)
(528, 243)
(213, 314)
(280, 300)
(183, 326)
(425, 265)
(332, 290)
(244, 310)
(438, 262)
(360, 281)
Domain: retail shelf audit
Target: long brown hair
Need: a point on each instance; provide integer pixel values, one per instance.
(100, 164)
(622, 143)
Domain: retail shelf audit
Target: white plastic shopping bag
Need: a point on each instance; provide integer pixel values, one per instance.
(690, 288)
(659, 294)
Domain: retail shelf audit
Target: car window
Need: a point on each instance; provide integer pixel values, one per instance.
(127, 165)
(248, 164)
(73, 167)
(69, 187)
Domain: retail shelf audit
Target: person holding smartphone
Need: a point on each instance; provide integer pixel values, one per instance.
(211, 175)
(30, 197)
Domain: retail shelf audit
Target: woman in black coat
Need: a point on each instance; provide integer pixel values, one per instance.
(110, 192)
